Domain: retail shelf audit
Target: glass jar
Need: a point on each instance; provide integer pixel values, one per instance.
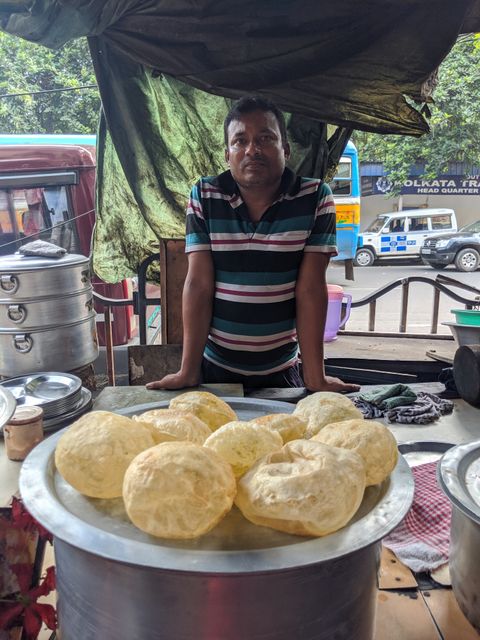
(23, 431)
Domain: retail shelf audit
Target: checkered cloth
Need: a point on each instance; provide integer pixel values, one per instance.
(422, 540)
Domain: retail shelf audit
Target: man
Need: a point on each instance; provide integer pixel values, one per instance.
(259, 240)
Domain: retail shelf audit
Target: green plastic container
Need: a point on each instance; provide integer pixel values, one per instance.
(467, 316)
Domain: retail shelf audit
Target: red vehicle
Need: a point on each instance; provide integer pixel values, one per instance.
(47, 191)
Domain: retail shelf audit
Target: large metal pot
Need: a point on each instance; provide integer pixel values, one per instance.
(58, 348)
(21, 315)
(459, 477)
(26, 278)
(239, 582)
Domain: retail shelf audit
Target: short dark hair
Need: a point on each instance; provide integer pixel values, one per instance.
(247, 104)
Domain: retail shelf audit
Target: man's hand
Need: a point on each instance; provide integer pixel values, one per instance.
(333, 384)
(177, 380)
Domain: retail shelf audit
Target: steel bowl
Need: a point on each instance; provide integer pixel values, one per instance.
(459, 477)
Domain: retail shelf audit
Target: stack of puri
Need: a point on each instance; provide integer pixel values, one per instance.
(180, 470)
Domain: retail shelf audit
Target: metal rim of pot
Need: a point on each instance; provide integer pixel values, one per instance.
(8, 404)
(38, 486)
(454, 472)
(18, 263)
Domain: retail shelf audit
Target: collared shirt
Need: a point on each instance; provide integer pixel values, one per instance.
(256, 266)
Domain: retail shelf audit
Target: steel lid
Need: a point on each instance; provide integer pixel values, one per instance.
(459, 477)
(18, 263)
(235, 546)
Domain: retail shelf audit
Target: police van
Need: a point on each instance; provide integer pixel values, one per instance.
(401, 233)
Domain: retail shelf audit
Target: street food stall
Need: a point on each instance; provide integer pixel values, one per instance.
(288, 545)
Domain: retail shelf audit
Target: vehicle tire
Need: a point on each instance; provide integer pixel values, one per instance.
(467, 259)
(437, 265)
(364, 257)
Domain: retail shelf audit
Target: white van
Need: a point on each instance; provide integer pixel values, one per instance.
(401, 233)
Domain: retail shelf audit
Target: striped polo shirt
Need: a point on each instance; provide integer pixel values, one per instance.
(256, 266)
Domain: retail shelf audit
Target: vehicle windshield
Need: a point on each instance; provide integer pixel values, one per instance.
(36, 213)
(341, 185)
(376, 225)
(473, 227)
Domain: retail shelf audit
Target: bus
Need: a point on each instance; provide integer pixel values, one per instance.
(47, 192)
(346, 194)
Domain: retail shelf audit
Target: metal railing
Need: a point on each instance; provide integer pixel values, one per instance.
(439, 285)
(139, 302)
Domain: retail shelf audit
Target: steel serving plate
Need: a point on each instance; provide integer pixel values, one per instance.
(459, 477)
(83, 404)
(422, 451)
(43, 388)
(66, 417)
(56, 393)
(8, 404)
(235, 546)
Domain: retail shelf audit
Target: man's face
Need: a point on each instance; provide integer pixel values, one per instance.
(255, 152)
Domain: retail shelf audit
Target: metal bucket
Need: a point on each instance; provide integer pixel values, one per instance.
(238, 582)
(458, 475)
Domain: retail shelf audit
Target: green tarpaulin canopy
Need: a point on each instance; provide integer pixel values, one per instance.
(166, 69)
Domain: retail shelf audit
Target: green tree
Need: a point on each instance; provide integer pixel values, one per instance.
(27, 67)
(454, 123)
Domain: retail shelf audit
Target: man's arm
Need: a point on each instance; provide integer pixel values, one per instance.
(311, 310)
(197, 303)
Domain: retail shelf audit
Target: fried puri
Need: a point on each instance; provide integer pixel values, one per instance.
(373, 441)
(290, 427)
(307, 488)
(94, 453)
(242, 443)
(168, 425)
(178, 490)
(324, 407)
(208, 407)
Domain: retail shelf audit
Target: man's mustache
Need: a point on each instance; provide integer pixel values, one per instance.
(254, 162)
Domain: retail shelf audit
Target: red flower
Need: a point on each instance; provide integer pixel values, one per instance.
(26, 606)
(21, 519)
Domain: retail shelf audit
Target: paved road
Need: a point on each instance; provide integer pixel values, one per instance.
(368, 279)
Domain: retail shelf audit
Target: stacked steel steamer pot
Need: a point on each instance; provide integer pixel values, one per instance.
(47, 320)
